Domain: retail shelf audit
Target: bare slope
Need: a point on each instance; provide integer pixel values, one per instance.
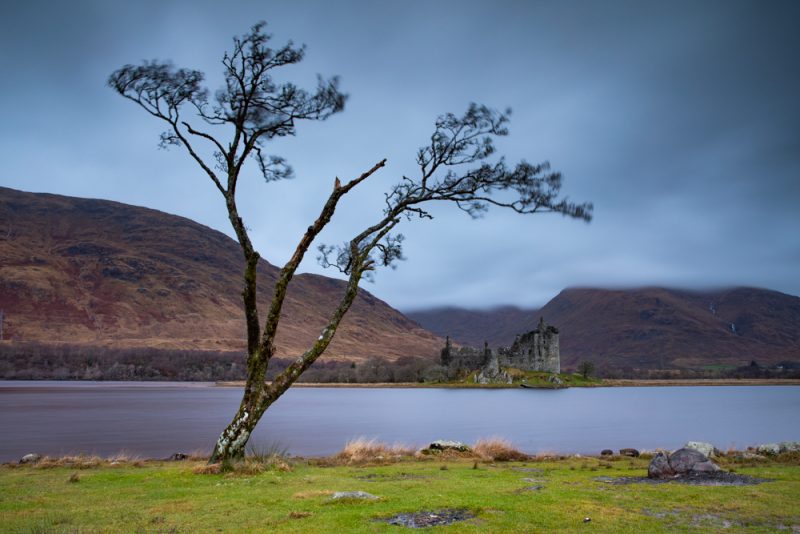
(97, 272)
(647, 328)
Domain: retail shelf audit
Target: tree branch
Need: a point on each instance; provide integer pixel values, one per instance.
(288, 270)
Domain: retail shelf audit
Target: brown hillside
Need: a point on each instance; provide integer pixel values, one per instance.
(102, 273)
(656, 327)
(646, 328)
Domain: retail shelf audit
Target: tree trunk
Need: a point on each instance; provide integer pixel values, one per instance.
(233, 440)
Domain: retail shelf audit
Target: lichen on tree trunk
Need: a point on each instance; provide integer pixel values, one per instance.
(232, 441)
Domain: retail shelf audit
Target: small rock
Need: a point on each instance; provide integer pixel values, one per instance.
(633, 453)
(706, 448)
(442, 444)
(606, 452)
(770, 449)
(362, 495)
(587, 519)
(31, 458)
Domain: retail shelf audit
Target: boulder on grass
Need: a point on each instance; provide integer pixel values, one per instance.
(683, 462)
(659, 467)
(606, 452)
(633, 453)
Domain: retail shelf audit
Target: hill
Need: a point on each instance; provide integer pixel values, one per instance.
(645, 328)
(105, 274)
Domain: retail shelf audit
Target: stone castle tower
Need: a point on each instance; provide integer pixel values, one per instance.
(536, 350)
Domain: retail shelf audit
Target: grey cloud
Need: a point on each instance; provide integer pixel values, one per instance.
(678, 120)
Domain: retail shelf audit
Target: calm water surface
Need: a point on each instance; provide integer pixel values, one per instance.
(157, 419)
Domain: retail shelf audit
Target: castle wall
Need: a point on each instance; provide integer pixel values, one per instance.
(537, 350)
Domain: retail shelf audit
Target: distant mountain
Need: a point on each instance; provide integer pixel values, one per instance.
(101, 273)
(496, 326)
(644, 328)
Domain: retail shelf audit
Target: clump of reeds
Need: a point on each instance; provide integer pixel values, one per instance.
(498, 450)
(363, 450)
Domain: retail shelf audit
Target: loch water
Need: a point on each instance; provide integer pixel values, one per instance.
(156, 419)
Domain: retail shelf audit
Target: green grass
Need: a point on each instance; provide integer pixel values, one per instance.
(170, 497)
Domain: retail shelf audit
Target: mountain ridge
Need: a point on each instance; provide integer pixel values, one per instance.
(104, 273)
(649, 327)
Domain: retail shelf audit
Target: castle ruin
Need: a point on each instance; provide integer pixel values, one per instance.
(536, 350)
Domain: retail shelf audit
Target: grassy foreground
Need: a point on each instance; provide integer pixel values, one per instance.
(538, 495)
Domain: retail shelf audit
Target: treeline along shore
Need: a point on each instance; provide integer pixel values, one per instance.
(38, 361)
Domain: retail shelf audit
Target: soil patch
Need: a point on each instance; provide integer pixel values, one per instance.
(427, 518)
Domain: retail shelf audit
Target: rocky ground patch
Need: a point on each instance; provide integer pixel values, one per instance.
(426, 518)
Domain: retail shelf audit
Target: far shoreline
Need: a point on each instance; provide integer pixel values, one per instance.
(612, 382)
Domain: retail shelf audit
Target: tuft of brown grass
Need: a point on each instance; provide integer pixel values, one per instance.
(248, 466)
(73, 478)
(208, 469)
(362, 451)
(299, 515)
(77, 462)
(498, 450)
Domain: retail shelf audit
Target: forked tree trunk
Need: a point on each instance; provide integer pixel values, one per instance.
(258, 396)
(233, 440)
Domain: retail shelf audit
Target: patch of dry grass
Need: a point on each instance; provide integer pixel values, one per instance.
(362, 451)
(85, 461)
(498, 450)
(207, 469)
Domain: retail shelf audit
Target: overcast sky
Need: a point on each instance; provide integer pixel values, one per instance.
(680, 121)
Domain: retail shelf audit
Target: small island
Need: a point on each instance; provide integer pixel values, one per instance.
(532, 361)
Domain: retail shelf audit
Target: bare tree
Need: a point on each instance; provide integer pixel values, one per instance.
(252, 109)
